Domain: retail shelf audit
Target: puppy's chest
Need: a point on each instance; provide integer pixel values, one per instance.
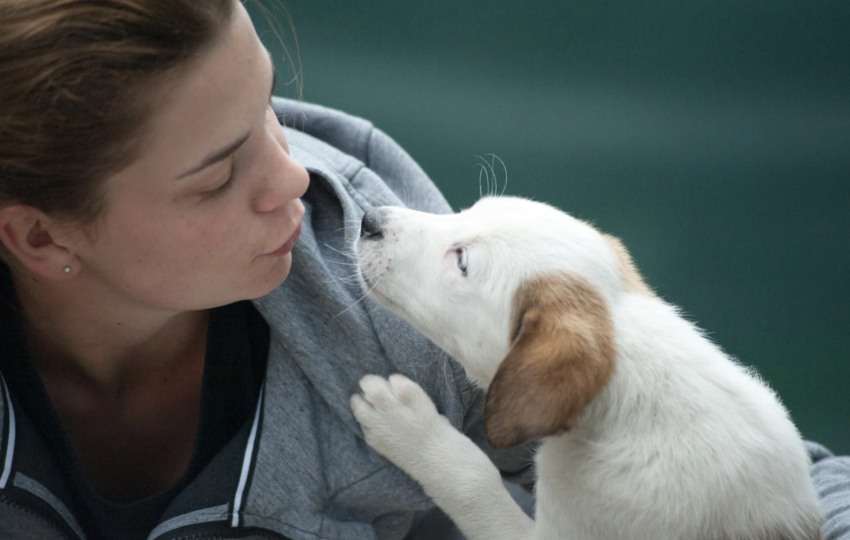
(568, 460)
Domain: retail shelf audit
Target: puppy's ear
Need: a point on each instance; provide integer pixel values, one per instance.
(562, 355)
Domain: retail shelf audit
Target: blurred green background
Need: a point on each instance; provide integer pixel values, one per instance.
(712, 137)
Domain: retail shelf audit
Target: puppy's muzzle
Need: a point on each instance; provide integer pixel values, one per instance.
(373, 221)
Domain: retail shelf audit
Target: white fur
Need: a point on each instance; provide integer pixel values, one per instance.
(682, 442)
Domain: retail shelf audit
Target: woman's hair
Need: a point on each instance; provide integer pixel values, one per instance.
(78, 82)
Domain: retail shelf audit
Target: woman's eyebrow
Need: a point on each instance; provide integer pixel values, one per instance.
(218, 155)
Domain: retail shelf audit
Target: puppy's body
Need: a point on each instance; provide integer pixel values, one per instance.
(681, 443)
(650, 430)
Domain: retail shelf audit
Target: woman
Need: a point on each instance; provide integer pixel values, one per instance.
(148, 191)
(179, 339)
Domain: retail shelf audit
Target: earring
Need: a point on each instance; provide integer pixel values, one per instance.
(67, 269)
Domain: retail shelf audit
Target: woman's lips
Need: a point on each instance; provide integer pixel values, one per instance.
(287, 246)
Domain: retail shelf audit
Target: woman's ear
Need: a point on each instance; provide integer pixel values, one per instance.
(562, 355)
(29, 235)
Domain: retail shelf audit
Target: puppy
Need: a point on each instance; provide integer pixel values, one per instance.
(650, 431)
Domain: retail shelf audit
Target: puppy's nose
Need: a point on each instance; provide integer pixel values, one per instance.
(371, 224)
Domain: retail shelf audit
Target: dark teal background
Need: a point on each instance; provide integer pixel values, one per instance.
(712, 137)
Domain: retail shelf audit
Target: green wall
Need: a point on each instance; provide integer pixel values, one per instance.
(712, 137)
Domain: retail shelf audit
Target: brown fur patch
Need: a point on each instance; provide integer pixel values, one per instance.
(631, 277)
(562, 355)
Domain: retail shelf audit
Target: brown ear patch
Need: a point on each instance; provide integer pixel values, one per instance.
(562, 355)
(631, 277)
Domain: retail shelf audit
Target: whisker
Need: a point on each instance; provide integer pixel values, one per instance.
(348, 280)
(495, 177)
(504, 168)
(344, 263)
(406, 199)
(344, 254)
(486, 168)
(480, 194)
(349, 224)
(482, 171)
(359, 299)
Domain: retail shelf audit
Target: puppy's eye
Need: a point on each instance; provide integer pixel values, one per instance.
(461, 260)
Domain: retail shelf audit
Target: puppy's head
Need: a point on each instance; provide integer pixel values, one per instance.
(517, 291)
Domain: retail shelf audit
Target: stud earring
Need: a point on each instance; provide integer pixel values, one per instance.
(67, 269)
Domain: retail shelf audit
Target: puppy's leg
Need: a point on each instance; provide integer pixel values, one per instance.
(400, 421)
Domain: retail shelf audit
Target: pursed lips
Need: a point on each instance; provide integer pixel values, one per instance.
(295, 210)
(287, 246)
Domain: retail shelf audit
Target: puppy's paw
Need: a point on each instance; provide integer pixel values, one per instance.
(397, 416)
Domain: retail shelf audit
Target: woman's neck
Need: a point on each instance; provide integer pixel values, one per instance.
(126, 383)
(95, 338)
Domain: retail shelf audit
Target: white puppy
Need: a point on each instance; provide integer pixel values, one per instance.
(650, 431)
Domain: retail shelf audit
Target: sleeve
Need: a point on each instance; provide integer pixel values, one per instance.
(831, 475)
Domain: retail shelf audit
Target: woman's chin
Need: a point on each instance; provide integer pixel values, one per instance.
(276, 274)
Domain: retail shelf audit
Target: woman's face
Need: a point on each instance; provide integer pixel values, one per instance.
(209, 213)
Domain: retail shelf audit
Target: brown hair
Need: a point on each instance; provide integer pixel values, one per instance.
(77, 83)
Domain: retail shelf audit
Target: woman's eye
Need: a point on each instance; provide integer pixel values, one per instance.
(221, 189)
(461, 260)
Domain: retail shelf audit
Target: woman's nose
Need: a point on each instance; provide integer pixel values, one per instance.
(284, 179)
